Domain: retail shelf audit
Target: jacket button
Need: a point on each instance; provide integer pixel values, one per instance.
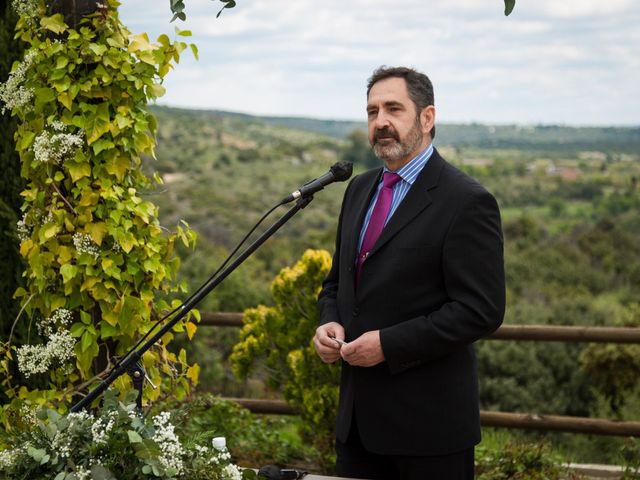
(355, 312)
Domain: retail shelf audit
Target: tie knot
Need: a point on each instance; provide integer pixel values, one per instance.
(390, 179)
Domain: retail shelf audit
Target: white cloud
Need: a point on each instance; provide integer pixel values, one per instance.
(575, 61)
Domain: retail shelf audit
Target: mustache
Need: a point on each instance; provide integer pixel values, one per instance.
(385, 133)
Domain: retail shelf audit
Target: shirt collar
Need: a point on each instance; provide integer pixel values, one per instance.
(411, 170)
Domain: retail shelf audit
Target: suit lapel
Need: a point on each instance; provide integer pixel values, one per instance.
(362, 199)
(416, 201)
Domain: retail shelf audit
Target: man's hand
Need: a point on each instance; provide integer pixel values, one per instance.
(326, 347)
(364, 351)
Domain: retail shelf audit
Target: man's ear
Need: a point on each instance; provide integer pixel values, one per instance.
(428, 119)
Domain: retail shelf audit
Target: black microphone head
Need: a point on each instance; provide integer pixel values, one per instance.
(341, 171)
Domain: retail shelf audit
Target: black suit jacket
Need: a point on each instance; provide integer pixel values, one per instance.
(432, 285)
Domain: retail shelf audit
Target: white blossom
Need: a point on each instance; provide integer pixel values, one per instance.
(100, 430)
(231, 472)
(60, 318)
(13, 92)
(85, 244)
(27, 9)
(169, 443)
(57, 145)
(82, 473)
(28, 415)
(61, 444)
(8, 458)
(23, 230)
(33, 359)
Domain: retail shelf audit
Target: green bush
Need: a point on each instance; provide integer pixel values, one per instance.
(519, 461)
(281, 337)
(253, 440)
(117, 443)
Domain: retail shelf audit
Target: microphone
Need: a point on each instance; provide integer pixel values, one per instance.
(338, 172)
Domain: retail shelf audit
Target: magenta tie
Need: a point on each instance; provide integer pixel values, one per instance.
(378, 218)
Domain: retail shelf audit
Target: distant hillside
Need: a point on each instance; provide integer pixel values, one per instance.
(536, 137)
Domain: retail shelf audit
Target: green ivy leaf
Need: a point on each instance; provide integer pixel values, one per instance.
(508, 6)
(98, 123)
(99, 50)
(102, 144)
(78, 170)
(55, 23)
(68, 272)
(87, 340)
(77, 329)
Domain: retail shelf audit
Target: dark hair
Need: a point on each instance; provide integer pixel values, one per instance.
(419, 86)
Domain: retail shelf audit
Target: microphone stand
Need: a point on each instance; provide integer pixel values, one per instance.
(131, 364)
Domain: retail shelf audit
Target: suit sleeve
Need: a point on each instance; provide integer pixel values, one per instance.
(473, 272)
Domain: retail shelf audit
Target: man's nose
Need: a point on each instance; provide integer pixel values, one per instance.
(381, 120)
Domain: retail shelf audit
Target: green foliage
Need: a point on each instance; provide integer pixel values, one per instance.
(614, 368)
(281, 337)
(630, 459)
(519, 460)
(252, 439)
(116, 443)
(177, 8)
(359, 151)
(99, 263)
(508, 6)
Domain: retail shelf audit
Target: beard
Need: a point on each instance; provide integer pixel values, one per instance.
(399, 149)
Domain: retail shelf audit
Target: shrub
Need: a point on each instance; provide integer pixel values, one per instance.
(281, 336)
(116, 443)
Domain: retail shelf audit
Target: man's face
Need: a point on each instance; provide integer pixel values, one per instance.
(396, 133)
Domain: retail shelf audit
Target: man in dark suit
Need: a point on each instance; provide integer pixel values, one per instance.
(410, 300)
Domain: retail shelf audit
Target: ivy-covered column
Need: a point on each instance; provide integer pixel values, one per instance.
(99, 264)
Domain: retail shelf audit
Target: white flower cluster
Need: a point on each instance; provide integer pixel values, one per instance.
(27, 9)
(169, 443)
(100, 430)
(28, 415)
(63, 441)
(84, 244)
(60, 318)
(221, 456)
(23, 230)
(231, 472)
(33, 359)
(9, 457)
(61, 444)
(12, 92)
(57, 145)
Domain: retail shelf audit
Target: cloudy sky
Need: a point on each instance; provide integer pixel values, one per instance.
(573, 62)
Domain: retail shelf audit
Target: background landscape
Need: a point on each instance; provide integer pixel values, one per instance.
(569, 199)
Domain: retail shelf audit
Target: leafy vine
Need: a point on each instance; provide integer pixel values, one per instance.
(100, 269)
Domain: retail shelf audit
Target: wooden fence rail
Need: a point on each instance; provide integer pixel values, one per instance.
(527, 421)
(548, 333)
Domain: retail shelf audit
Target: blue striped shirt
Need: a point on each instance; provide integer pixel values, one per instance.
(408, 174)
